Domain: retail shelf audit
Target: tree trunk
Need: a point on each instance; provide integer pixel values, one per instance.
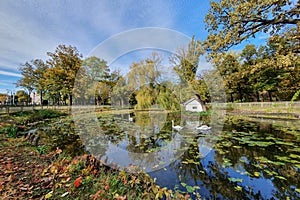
(231, 97)
(201, 102)
(41, 99)
(70, 99)
(28, 99)
(257, 96)
(270, 94)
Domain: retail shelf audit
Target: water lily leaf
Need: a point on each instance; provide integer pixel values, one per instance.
(285, 143)
(221, 151)
(183, 184)
(236, 179)
(227, 144)
(283, 158)
(238, 188)
(270, 172)
(297, 149)
(281, 177)
(294, 156)
(189, 189)
(263, 144)
(277, 163)
(270, 138)
(226, 162)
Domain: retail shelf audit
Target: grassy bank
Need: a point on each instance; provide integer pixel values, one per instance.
(273, 110)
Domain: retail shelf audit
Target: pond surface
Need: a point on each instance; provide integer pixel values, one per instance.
(246, 159)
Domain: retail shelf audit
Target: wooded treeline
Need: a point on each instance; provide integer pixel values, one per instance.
(91, 81)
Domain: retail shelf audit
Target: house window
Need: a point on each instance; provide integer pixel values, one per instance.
(194, 107)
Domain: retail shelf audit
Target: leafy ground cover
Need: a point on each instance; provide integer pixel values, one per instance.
(34, 172)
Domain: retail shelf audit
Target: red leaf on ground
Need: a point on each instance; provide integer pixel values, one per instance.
(107, 187)
(77, 182)
(97, 195)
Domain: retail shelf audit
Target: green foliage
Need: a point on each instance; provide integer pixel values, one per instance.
(10, 131)
(45, 114)
(205, 113)
(24, 117)
(185, 63)
(145, 98)
(167, 99)
(295, 97)
(22, 96)
(257, 73)
(42, 149)
(95, 80)
(64, 64)
(33, 78)
(231, 22)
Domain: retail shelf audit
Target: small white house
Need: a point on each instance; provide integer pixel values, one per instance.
(193, 105)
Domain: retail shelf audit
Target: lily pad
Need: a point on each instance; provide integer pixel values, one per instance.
(257, 174)
(236, 180)
(281, 177)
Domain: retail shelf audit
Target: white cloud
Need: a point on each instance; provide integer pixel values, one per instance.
(6, 73)
(28, 29)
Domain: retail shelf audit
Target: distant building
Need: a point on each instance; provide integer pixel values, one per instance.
(35, 98)
(193, 105)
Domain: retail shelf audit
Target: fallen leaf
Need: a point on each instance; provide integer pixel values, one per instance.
(49, 195)
(77, 182)
(58, 150)
(64, 194)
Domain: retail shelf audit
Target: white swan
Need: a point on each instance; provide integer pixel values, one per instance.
(203, 128)
(177, 128)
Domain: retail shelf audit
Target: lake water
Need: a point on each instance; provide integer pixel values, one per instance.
(246, 159)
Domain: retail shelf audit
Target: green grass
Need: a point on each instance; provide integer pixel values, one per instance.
(24, 117)
(43, 149)
(10, 131)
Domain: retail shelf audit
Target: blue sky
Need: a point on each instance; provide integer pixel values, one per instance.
(30, 28)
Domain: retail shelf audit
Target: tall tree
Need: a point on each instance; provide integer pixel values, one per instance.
(40, 85)
(33, 73)
(97, 68)
(144, 77)
(230, 22)
(91, 81)
(22, 96)
(64, 62)
(3, 98)
(185, 63)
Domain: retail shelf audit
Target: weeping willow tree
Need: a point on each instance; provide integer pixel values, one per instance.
(167, 99)
(145, 98)
(144, 77)
(149, 97)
